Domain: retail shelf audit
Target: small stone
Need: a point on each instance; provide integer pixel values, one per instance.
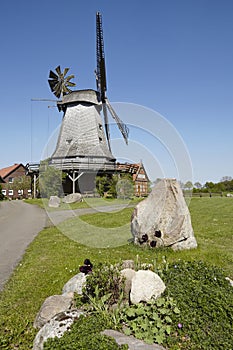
(72, 198)
(75, 284)
(145, 285)
(133, 343)
(54, 202)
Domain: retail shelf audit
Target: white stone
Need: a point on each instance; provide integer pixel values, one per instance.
(145, 285)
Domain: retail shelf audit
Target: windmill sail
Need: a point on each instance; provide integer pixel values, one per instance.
(122, 127)
(59, 82)
(102, 85)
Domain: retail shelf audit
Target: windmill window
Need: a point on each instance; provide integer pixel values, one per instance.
(100, 139)
(68, 141)
(100, 126)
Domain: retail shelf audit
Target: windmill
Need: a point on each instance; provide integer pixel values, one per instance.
(83, 146)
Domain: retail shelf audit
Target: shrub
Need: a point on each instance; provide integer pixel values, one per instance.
(109, 281)
(205, 300)
(85, 335)
(149, 321)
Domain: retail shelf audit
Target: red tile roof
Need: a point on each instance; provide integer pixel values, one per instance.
(6, 171)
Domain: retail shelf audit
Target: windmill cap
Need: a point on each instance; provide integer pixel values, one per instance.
(88, 96)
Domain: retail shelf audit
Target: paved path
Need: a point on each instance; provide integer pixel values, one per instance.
(19, 224)
(58, 216)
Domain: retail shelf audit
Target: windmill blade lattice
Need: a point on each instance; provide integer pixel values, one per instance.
(59, 83)
(122, 127)
(106, 124)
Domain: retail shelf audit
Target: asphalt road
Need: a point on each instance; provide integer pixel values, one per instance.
(19, 224)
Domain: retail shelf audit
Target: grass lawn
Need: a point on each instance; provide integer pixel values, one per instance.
(86, 203)
(53, 258)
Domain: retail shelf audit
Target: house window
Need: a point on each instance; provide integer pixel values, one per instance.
(4, 192)
(11, 192)
(29, 191)
(11, 179)
(20, 192)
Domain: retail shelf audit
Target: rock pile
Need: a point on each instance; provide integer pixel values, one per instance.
(57, 313)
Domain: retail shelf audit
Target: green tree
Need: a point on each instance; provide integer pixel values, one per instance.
(116, 185)
(226, 178)
(104, 184)
(209, 185)
(188, 185)
(50, 180)
(198, 185)
(125, 187)
(21, 183)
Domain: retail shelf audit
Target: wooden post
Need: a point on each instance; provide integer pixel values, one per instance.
(74, 179)
(34, 186)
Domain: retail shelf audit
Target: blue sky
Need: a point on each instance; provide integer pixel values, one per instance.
(171, 56)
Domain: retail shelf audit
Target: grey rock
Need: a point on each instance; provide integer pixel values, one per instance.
(72, 198)
(133, 343)
(163, 218)
(54, 202)
(52, 306)
(145, 285)
(127, 264)
(75, 284)
(56, 327)
(128, 275)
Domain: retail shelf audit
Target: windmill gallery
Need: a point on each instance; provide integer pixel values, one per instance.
(83, 148)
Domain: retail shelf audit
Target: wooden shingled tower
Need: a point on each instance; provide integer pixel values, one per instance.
(83, 146)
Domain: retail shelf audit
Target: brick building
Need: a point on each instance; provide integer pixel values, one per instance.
(15, 184)
(139, 176)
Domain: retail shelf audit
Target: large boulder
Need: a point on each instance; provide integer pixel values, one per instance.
(52, 306)
(145, 285)
(163, 219)
(72, 198)
(56, 327)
